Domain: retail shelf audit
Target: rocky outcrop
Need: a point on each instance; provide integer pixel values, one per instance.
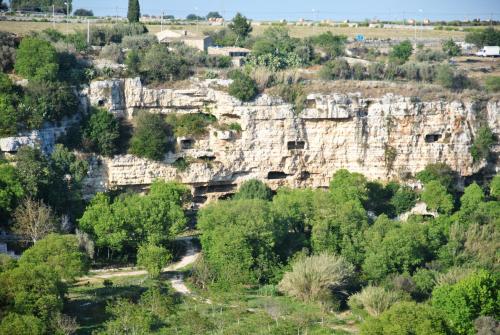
(390, 137)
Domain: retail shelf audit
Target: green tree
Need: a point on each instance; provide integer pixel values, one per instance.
(338, 228)
(128, 318)
(134, 11)
(33, 290)
(451, 48)
(440, 172)
(243, 86)
(61, 253)
(473, 296)
(332, 45)
(83, 12)
(214, 15)
(9, 117)
(101, 133)
(403, 200)
(42, 67)
(151, 137)
(48, 101)
(153, 258)
(406, 318)
(241, 26)
(488, 36)
(131, 220)
(483, 141)
(238, 239)
(346, 186)
(393, 247)
(472, 197)
(11, 190)
(19, 324)
(253, 189)
(401, 52)
(437, 198)
(161, 64)
(33, 170)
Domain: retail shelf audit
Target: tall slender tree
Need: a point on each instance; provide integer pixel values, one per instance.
(134, 11)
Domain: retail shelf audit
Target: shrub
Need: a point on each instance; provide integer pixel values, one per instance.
(440, 172)
(160, 64)
(437, 198)
(404, 199)
(8, 44)
(133, 61)
(406, 318)
(358, 71)
(401, 52)
(373, 300)
(103, 35)
(492, 84)
(9, 116)
(112, 52)
(448, 78)
(428, 55)
(451, 48)
(473, 296)
(336, 69)
(48, 101)
(317, 277)
(293, 94)
(482, 144)
(21, 324)
(151, 137)
(139, 41)
(253, 189)
(376, 71)
(243, 86)
(332, 45)
(42, 67)
(190, 124)
(60, 252)
(153, 258)
(101, 133)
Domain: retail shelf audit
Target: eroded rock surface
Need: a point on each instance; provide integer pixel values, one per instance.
(390, 137)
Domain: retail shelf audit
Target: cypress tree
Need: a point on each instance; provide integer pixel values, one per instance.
(134, 11)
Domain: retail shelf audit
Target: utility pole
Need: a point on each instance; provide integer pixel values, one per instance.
(161, 20)
(67, 16)
(88, 31)
(314, 21)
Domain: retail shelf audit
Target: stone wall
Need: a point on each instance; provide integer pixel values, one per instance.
(389, 137)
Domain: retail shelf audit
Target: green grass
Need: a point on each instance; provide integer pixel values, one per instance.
(87, 301)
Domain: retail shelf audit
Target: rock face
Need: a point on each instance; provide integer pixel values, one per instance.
(390, 137)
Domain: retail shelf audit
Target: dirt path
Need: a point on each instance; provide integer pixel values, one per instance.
(176, 278)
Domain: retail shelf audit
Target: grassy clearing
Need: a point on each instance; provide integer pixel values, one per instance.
(296, 31)
(87, 300)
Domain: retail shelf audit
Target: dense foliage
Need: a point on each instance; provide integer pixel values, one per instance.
(151, 137)
(243, 86)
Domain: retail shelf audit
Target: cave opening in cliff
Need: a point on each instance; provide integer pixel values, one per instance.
(276, 175)
(293, 145)
(207, 158)
(226, 196)
(199, 199)
(100, 103)
(187, 143)
(431, 138)
(218, 188)
(304, 175)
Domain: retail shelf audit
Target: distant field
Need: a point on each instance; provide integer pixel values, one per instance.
(296, 31)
